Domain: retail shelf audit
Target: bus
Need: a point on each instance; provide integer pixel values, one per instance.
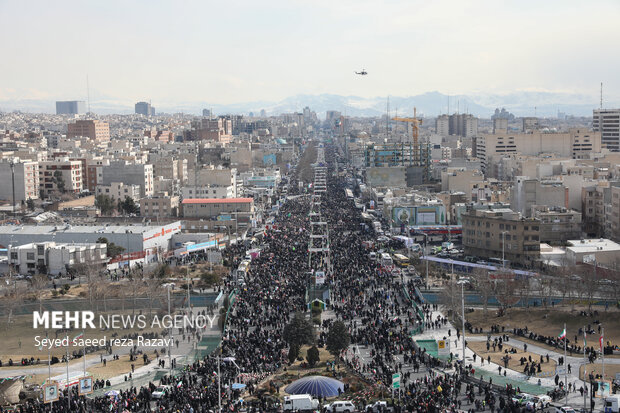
(499, 262)
(400, 260)
(243, 270)
(386, 260)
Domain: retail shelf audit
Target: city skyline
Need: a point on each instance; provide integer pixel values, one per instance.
(175, 54)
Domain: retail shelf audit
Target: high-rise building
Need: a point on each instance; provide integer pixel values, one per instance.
(144, 108)
(69, 178)
(456, 124)
(607, 121)
(95, 129)
(207, 113)
(70, 107)
(26, 179)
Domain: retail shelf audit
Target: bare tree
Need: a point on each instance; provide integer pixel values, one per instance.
(13, 298)
(484, 285)
(451, 298)
(39, 287)
(91, 275)
(589, 285)
(135, 282)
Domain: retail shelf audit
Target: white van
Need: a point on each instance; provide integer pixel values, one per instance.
(300, 402)
(612, 404)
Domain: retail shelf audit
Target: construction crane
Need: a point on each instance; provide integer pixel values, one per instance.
(415, 123)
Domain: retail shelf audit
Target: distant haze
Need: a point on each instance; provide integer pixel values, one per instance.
(194, 53)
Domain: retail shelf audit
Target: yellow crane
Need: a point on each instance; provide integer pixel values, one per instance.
(415, 123)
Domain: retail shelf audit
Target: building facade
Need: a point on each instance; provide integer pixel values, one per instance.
(493, 233)
(94, 129)
(161, 206)
(26, 178)
(118, 191)
(70, 107)
(607, 122)
(60, 175)
(55, 258)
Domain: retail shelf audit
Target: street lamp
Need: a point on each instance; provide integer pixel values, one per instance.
(462, 282)
(503, 248)
(425, 257)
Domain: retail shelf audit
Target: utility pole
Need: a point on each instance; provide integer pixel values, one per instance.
(169, 337)
(13, 184)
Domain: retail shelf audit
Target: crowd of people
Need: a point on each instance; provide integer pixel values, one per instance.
(375, 305)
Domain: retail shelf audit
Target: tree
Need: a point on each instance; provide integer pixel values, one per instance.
(39, 286)
(105, 204)
(293, 352)
(111, 248)
(299, 331)
(312, 356)
(129, 206)
(451, 298)
(59, 181)
(338, 338)
(30, 204)
(484, 285)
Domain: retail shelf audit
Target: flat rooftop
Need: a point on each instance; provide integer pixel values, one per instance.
(78, 229)
(593, 245)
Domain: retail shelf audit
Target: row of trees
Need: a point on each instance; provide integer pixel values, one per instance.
(107, 205)
(573, 284)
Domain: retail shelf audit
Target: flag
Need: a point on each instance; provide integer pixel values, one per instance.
(563, 335)
(79, 336)
(600, 342)
(179, 384)
(584, 339)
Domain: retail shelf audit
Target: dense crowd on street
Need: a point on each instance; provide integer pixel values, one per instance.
(374, 305)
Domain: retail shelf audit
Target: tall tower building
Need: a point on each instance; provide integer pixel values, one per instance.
(70, 107)
(144, 108)
(607, 121)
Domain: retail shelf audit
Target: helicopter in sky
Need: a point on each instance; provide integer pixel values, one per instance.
(363, 72)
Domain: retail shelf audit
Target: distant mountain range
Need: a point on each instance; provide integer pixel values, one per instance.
(545, 104)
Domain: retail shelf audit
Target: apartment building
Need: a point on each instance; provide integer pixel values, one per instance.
(460, 180)
(528, 192)
(607, 123)
(130, 174)
(594, 198)
(160, 206)
(613, 218)
(213, 208)
(491, 233)
(557, 224)
(575, 144)
(25, 175)
(94, 129)
(118, 191)
(60, 175)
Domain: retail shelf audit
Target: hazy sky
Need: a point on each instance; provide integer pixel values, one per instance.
(239, 51)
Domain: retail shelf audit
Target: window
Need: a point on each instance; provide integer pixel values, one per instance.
(501, 226)
(30, 255)
(40, 249)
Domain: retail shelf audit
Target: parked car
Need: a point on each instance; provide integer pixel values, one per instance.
(378, 406)
(564, 409)
(340, 406)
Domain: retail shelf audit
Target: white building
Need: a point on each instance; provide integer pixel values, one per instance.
(70, 176)
(192, 192)
(26, 180)
(119, 191)
(55, 258)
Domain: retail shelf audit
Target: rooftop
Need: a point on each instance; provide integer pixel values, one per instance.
(78, 229)
(592, 245)
(218, 200)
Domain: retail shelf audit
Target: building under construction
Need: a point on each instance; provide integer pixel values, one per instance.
(412, 155)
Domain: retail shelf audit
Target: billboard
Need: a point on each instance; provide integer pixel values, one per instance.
(403, 216)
